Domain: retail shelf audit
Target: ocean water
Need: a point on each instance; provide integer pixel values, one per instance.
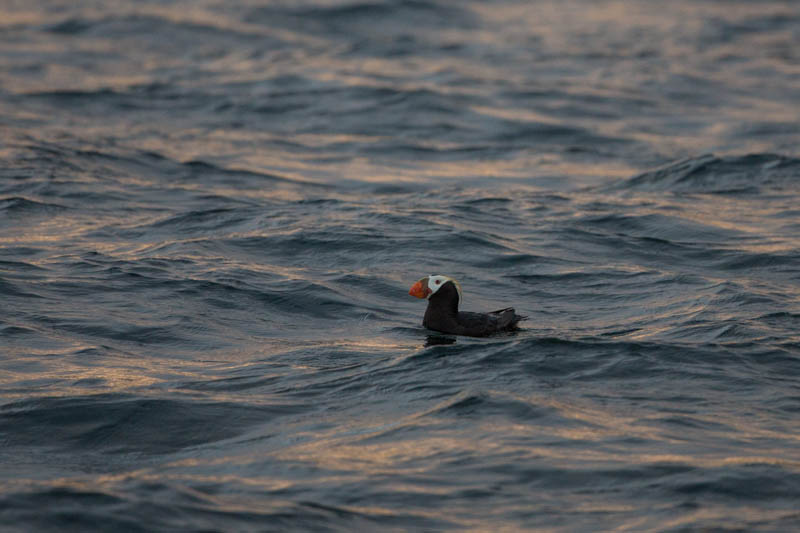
(211, 213)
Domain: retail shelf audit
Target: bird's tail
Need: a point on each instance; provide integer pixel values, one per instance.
(511, 316)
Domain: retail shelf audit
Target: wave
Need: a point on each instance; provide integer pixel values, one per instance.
(8, 288)
(657, 226)
(719, 175)
(365, 17)
(181, 32)
(120, 424)
(14, 206)
(78, 168)
(142, 505)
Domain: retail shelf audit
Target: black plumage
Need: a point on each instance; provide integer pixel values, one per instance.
(443, 315)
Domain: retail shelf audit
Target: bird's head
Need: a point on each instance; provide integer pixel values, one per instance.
(427, 286)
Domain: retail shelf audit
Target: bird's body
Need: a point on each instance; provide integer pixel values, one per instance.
(442, 314)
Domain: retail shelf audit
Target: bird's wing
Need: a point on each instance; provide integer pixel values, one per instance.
(479, 324)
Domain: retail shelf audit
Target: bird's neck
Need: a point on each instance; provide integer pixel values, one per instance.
(445, 306)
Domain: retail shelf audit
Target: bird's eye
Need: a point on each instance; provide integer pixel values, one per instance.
(438, 281)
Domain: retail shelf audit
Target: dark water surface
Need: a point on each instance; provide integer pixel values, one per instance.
(211, 212)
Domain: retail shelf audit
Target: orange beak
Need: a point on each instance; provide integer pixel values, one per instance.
(419, 291)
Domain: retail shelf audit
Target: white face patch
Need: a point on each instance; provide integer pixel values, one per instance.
(434, 282)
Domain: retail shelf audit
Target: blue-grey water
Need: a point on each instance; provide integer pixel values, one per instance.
(211, 213)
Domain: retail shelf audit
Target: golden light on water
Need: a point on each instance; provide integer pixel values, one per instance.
(211, 213)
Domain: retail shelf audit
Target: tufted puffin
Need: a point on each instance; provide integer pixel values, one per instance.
(442, 315)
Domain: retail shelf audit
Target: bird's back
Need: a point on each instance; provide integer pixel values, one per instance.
(482, 324)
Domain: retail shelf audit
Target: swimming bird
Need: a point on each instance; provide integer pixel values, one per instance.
(443, 295)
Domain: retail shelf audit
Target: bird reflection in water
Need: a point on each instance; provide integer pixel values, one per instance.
(436, 340)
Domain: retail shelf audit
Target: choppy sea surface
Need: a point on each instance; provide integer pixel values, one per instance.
(211, 213)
